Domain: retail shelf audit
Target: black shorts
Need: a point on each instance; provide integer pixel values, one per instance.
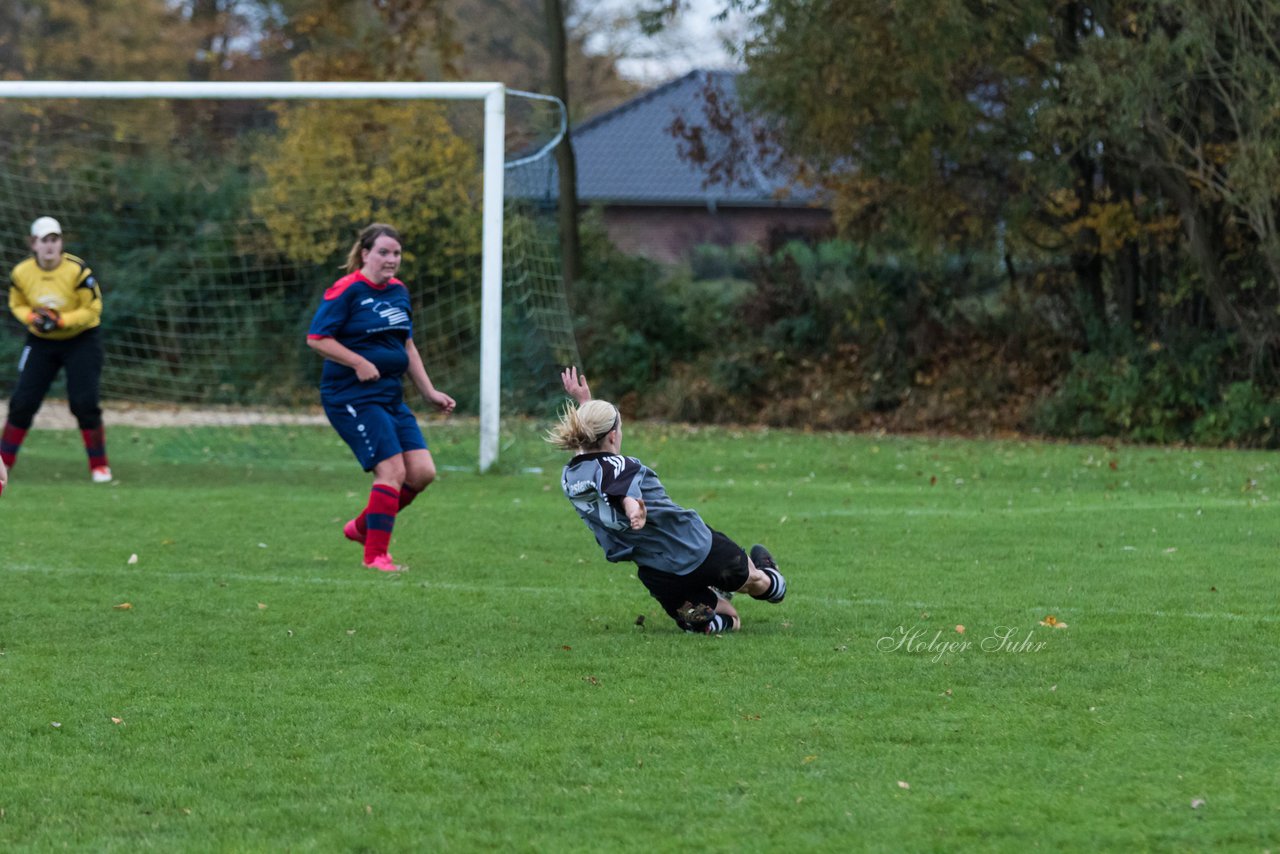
(725, 568)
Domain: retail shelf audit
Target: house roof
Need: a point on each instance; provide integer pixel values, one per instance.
(628, 156)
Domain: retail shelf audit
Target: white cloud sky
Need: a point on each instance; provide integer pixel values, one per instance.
(694, 41)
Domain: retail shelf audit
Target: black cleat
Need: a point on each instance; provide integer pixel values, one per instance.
(761, 558)
(765, 563)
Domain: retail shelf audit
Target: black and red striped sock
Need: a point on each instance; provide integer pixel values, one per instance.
(95, 445)
(407, 494)
(380, 518)
(10, 442)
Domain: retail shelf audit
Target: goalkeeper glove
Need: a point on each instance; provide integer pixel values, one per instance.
(45, 319)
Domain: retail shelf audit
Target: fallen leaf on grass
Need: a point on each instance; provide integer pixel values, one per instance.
(808, 759)
(123, 606)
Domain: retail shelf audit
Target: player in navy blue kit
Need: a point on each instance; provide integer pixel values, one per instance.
(683, 563)
(364, 330)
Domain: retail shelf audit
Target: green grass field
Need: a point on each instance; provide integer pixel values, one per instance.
(265, 693)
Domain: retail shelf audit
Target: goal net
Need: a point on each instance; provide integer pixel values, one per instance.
(215, 216)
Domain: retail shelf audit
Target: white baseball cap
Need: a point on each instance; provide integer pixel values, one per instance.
(44, 226)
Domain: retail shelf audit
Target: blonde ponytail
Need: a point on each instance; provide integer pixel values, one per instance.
(583, 428)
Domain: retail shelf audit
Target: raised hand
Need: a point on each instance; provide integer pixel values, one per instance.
(575, 385)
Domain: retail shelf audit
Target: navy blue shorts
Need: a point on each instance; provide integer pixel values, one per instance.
(376, 431)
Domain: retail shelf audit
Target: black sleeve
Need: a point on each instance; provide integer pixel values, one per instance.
(620, 477)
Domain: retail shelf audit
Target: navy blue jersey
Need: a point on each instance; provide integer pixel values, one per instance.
(373, 321)
(673, 539)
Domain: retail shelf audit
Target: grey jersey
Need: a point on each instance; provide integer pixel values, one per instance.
(673, 540)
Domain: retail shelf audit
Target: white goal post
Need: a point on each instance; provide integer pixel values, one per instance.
(494, 97)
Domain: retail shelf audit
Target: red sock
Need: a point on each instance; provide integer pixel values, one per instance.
(407, 494)
(380, 518)
(10, 442)
(95, 445)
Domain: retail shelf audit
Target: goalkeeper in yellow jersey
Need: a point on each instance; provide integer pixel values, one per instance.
(55, 295)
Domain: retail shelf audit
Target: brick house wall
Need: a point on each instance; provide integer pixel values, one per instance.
(667, 233)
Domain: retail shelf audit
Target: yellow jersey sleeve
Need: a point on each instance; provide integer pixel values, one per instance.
(18, 304)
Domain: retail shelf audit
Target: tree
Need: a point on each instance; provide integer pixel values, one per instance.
(335, 167)
(566, 163)
(1178, 97)
(1212, 136)
(1078, 136)
(102, 40)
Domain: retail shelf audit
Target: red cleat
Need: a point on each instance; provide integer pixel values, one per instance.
(351, 532)
(383, 563)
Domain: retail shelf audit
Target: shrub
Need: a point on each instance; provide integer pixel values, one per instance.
(630, 323)
(1246, 416)
(1183, 391)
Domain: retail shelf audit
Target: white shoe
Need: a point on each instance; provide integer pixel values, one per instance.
(102, 474)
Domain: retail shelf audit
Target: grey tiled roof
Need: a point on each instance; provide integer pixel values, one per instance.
(628, 156)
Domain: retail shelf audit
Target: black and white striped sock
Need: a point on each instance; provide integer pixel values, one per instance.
(777, 587)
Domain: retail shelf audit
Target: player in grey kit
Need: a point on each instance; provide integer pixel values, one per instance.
(681, 561)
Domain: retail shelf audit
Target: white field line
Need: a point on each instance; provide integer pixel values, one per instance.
(363, 579)
(997, 510)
